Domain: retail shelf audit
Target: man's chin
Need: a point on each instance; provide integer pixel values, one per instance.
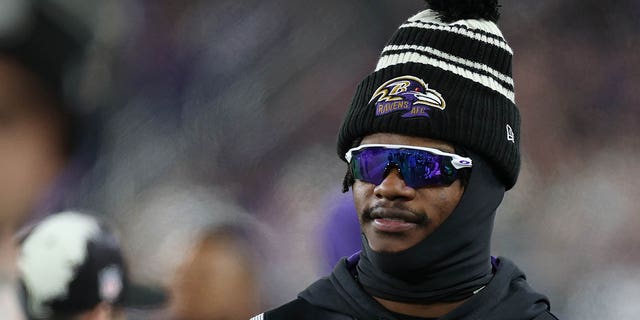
(382, 242)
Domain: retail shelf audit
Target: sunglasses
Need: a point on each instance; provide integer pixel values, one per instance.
(418, 166)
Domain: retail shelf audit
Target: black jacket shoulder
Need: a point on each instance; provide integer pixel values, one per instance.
(508, 296)
(301, 309)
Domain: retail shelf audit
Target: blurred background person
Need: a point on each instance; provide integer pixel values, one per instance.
(42, 148)
(208, 252)
(217, 279)
(71, 267)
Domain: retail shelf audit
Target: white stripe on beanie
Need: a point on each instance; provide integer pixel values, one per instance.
(469, 28)
(445, 56)
(399, 58)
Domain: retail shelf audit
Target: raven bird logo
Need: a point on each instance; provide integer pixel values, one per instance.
(409, 94)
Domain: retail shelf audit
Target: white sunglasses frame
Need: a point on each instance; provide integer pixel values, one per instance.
(457, 161)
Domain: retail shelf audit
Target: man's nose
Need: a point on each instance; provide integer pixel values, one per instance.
(393, 187)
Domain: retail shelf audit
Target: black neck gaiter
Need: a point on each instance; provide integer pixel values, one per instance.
(449, 264)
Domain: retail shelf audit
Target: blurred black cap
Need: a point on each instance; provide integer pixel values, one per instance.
(70, 262)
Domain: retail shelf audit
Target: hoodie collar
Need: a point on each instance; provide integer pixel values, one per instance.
(506, 297)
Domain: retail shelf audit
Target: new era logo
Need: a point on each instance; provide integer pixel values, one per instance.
(510, 136)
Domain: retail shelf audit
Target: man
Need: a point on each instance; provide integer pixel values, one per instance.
(432, 143)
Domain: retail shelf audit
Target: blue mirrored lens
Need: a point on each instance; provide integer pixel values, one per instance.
(418, 168)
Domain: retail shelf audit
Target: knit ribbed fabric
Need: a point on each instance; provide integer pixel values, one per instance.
(446, 81)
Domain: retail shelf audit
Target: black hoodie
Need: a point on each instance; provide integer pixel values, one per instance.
(340, 297)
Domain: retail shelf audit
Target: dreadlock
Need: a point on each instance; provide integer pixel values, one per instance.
(348, 179)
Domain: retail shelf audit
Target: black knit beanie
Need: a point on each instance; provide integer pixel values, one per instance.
(445, 74)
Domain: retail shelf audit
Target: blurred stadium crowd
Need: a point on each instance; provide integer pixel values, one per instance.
(204, 133)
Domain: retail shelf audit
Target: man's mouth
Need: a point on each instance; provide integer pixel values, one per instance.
(393, 225)
(394, 220)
